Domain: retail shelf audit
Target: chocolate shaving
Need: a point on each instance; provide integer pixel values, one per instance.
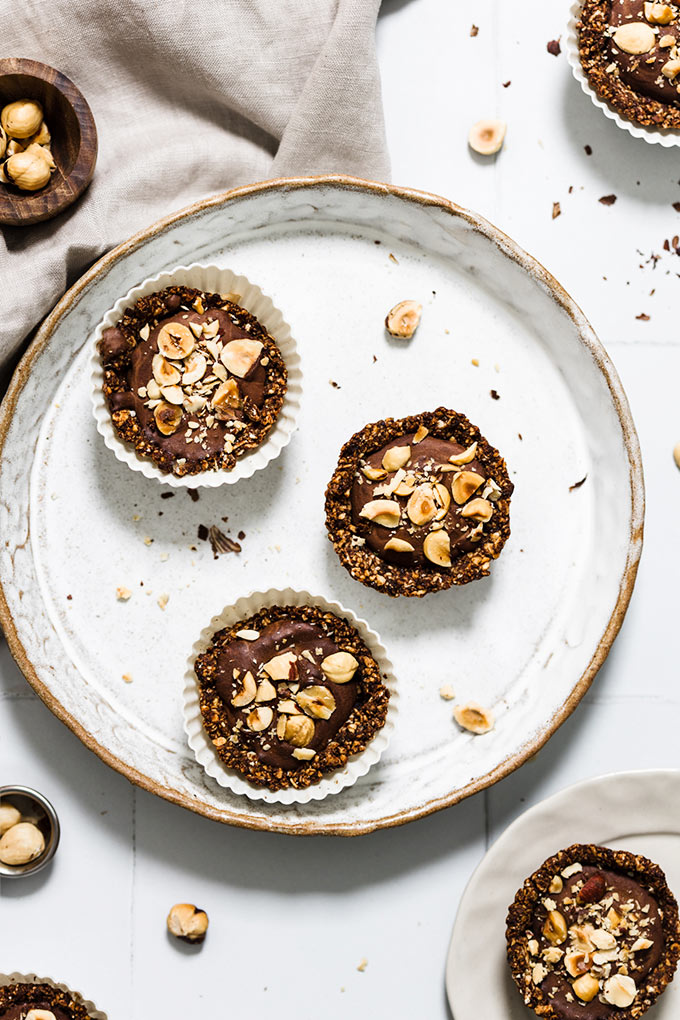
(577, 485)
(221, 543)
(554, 47)
(167, 495)
(194, 494)
(506, 84)
(202, 532)
(607, 199)
(495, 395)
(241, 535)
(588, 149)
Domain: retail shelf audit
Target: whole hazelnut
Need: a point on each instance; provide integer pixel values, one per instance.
(188, 923)
(21, 844)
(30, 170)
(9, 816)
(22, 118)
(3, 142)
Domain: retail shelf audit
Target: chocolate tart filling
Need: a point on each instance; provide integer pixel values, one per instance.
(594, 933)
(418, 504)
(289, 694)
(17, 1000)
(192, 380)
(629, 51)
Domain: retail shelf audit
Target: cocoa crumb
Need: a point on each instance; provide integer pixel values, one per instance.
(167, 495)
(69, 597)
(241, 535)
(336, 386)
(554, 47)
(202, 532)
(220, 543)
(494, 394)
(588, 149)
(607, 199)
(194, 494)
(507, 84)
(577, 485)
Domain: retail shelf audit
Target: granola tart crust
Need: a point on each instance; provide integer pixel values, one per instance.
(592, 48)
(147, 311)
(35, 993)
(353, 737)
(366, 566)
(521, 910)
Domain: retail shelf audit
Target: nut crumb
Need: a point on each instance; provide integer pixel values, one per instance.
(163, 600)
(607, 200)
(475, 362)
(556, 210)
(363, 965)
(147, 540)
(474, 30)
(577, 485)
(446, 692)
(643, 317)
(554, 47)
(123, 594)
(127, 678)
(676, 454)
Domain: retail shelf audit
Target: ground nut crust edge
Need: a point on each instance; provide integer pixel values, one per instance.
(521, 911)
(147, 311)
(366, 566)
(592, 46)
(366, 718)
(37, 992)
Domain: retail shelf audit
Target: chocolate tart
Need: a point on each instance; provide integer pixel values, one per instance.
(16, 1001)
(288, 695)
(643, 86)
(418, 504)
(593, 934)
(192, 380)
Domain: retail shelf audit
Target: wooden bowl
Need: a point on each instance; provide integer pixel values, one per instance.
(74, 140)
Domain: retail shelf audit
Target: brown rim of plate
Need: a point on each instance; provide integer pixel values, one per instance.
(521, 911)
(592, 50)
(364, 721)
(637, 503)
(363, 563)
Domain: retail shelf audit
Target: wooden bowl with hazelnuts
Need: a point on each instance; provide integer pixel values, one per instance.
(48, 142)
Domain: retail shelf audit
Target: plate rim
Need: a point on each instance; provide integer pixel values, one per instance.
(586, 336)
(565, 794)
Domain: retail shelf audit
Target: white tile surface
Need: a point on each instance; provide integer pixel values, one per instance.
(97, 918)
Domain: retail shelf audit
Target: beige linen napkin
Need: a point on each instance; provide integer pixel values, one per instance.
(190, 98)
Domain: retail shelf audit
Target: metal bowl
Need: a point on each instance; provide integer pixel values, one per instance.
(37, 809)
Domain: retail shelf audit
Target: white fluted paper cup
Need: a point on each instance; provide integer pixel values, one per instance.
(199, 742)
(15, 978)
(215, 280)
(666, 137)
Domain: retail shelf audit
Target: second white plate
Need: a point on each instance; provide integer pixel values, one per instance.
(636, 811)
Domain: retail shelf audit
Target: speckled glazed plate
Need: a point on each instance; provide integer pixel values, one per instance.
(636, 811)
(499, 340)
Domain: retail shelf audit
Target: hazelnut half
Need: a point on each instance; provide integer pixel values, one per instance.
(167, 418)
(403, 320)
(260, 718)
(175, 341)
(465, 456)
(659, 14)
(464, 485)
(40, 1014)
(164, 372)
(188, 922)
(21, 844)
(396, 457)
(437, 548)
(422, 505)
(246, 692)
(239, 356)
(620, 990)
(475, 718)
(487, 136)
(399, 545)
(586, 987)
(317, 701)
(555, 928)
(386, 512)
(634, 37)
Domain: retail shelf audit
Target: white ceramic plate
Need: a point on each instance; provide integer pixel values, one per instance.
(636, 811)
(334, 254)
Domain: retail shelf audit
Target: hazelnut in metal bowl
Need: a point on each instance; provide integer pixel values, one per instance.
(29, 831)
